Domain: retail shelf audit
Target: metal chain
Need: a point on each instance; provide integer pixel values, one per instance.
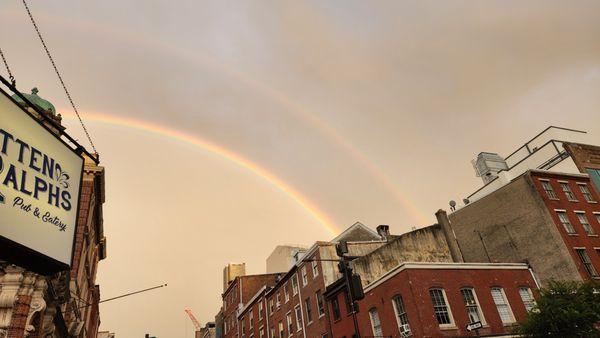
(12, 78)
(59, 76)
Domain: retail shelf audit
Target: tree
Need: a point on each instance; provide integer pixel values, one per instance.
(565, 309)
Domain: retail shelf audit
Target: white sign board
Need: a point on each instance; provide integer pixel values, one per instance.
(40, 178)
(474, 326)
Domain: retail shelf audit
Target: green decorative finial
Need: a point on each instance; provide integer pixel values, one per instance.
(37, 100)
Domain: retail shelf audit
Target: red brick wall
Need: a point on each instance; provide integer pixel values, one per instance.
(581, 239)
(19, 317)
(414, 284)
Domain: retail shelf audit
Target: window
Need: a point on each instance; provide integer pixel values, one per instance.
(271, 306)
(290, 323)
(442, 312)
(585, 223)
(243, 326)
(260, 310)
(527, 298)
(272, 332)
(335, 307)
(472, 305)
(294, 285)
(585, 191)
(251, 315)
(597, 217)
(564, 219)
(278, 301)
(502, 306)
(304, 276)
(261, 333)
(567, 190)
(375, 323)
(587, 263)
(281, 332)
(320, 304)
(315, 269)
(549, 191)
(286, 293)
(597, 251)
(401, 316)
(308, 307)
(298, 318)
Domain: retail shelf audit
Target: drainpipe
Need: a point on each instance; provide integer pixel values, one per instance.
(444, 222)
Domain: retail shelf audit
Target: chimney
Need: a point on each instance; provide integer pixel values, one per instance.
(384, 231)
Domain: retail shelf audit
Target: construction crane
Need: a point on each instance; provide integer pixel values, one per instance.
(193, 319)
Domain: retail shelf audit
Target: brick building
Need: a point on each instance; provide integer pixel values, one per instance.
(65, 304)
(545, 193)
(239, 292)
(436, 300)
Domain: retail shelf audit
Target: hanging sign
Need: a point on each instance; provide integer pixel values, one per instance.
(40, 178)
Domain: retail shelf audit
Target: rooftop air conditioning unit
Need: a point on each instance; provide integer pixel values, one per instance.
(488, 165)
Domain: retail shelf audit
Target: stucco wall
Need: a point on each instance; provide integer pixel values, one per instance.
(513, 225)
(423, 245)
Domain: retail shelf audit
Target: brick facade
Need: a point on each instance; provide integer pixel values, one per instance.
(412, 284)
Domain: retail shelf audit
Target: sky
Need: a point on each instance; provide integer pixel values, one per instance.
(229, 127)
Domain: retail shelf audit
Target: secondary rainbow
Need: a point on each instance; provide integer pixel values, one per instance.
(223, 152)
(290, 106)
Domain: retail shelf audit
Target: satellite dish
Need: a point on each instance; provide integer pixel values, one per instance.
(466, 201)
(452, 205)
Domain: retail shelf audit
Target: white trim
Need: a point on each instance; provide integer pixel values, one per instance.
(551, 173)
(579, 211)
(560, 210)
(562, 181)
(443, 265)
(596, 212)
(543, 179)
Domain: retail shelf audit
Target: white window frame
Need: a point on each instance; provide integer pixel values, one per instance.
(295, 284)
(508, 307)
(531, 300)
(251, 319)
(568, 191)
(586, 193)
(447, 304)
(479, 310)
(560, 212)
(589, 230)
(260, 310)
(315, 269)
(373, 329)
(593, 274)
(278, 300)
(286, 293)
(401, 325)
(551, 194)
(271, 306)
(320, 309)
(261, 332)
(298, 311)
(304, 276)
(309, 310)
(289, 321)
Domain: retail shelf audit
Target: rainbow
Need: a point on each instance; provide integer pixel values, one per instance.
(291, 106)
(225, 153)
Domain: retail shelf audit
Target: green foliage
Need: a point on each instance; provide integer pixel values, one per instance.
(565, 310)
